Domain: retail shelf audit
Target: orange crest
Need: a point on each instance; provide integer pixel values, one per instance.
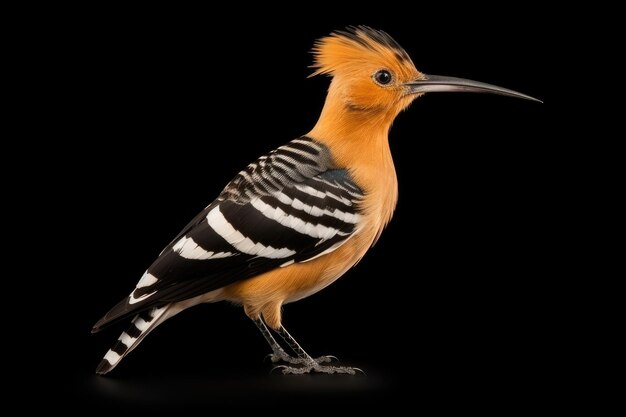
(348, 52)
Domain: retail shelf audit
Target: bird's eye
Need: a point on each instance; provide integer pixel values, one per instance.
(382, 77)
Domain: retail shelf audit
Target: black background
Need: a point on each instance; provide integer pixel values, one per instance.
(168, 108)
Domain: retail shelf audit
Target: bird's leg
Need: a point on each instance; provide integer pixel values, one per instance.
(278, 353)
(308, 363)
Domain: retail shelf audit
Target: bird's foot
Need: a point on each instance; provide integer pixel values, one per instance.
(315, 367)
(282, 356)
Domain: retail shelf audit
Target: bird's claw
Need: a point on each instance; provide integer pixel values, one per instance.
(272, 357)
(360, 370)
(316, 368)
(276, 357)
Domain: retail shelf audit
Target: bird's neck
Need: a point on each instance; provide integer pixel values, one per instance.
(358, 141)
(355, 136)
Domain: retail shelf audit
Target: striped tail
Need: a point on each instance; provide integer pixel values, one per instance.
(142, 324)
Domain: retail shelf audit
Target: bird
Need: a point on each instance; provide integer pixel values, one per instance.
(296, 219)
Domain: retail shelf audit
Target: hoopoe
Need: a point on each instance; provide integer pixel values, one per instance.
(298, 218)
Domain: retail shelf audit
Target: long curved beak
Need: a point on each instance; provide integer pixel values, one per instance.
(441, 84)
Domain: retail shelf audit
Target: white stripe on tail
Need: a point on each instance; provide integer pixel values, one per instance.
(142, 324)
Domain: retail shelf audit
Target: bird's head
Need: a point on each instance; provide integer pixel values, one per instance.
(373, 74)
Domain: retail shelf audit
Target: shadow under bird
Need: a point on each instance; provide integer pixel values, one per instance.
(298, 218)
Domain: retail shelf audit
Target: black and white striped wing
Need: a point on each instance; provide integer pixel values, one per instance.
(289, 206)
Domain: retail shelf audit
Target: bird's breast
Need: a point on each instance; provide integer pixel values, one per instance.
(380, 184)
